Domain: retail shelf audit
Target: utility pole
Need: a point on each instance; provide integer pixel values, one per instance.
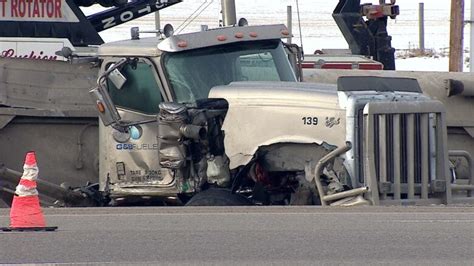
(456, 36)
(157, 23)
(421, 25)
(289, 21)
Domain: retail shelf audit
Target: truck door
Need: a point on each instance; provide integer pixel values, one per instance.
(129, 160)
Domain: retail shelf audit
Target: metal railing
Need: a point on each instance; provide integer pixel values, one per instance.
(404, 153)
(469, 187)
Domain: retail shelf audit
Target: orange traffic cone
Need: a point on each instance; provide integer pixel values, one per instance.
(26, 214)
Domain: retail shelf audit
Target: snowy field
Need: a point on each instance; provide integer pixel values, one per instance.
(318, 28)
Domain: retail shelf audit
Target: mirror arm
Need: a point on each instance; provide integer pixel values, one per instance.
(104, 75)
(122, 126)
(296, 52)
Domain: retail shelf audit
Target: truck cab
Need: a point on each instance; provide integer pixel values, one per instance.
(180, 69)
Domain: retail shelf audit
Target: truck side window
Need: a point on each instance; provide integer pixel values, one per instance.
(140, 92)
(256, 66)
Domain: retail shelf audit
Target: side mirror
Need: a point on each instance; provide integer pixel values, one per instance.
(243, 22)
(295, 56)
(107, 111)
(117, 78)
(168, 30)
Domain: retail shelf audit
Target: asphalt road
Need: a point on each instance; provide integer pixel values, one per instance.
(255, 235)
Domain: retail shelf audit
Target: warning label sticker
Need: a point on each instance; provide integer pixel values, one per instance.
(36, 10)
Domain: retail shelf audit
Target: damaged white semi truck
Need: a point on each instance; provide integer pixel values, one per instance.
(173, 130)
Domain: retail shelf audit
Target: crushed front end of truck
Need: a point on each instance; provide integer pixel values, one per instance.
(223, 133)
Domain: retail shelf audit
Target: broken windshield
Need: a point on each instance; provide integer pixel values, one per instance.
(193, 73)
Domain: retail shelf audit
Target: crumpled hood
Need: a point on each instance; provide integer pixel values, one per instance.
(265, 113)
(295, 93)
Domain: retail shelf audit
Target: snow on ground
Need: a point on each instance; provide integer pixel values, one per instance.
(431, 61)
(423, 64)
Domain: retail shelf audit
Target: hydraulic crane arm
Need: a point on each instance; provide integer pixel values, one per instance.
(367, 37)
(64, 18)
(130, 11)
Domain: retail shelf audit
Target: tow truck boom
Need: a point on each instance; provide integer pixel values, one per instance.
(367, 37)
(64, 18)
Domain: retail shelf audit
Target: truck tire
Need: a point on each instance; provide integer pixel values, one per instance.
(218, 197)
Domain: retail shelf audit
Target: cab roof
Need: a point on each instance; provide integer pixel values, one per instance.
(154, 46)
